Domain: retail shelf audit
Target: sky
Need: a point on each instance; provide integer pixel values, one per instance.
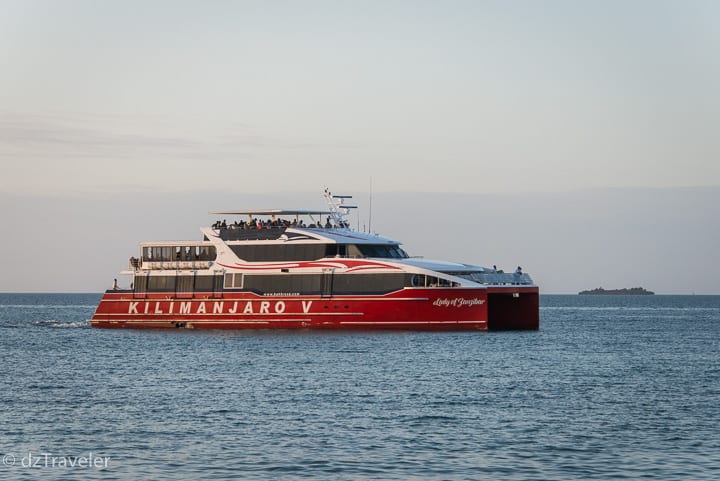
(596, 121)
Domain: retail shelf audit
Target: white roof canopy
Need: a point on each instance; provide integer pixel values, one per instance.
(272, 212)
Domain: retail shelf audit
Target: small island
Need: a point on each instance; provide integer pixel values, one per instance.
(633, 291)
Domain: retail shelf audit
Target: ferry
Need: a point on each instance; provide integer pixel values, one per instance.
(306, 269)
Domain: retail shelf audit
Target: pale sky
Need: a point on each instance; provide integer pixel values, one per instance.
(507, 98)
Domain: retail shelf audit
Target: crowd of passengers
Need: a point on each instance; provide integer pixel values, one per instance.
(270, 223)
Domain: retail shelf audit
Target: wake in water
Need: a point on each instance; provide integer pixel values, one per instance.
(69, 324)
(64, 311)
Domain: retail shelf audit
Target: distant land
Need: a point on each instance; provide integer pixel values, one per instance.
(633, 291)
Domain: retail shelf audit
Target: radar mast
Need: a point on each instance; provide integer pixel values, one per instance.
(338, 209)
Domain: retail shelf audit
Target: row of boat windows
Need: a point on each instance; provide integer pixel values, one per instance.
(289, 283)
(184, 283)
(325, 284)
(310, 252)
(179, 253)
(276, 252)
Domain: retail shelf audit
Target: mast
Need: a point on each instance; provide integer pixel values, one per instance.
(338, 209)
(370, 214)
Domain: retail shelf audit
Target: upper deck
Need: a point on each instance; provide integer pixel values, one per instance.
(303, 237)
(328, 226)
(268, 231)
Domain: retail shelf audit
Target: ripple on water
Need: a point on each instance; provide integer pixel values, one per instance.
(602, 391)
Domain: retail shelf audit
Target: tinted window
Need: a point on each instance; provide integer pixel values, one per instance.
(279, 252)
(381, 250)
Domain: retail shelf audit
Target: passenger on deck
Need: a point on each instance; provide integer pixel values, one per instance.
(518, 271)
(115, 285)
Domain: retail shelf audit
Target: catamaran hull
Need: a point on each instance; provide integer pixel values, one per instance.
(408, 309)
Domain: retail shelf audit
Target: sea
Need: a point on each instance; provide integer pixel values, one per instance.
(610, 387)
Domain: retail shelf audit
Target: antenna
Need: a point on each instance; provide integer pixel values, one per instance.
(370, 214)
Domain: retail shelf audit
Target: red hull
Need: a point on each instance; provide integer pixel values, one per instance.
(410, 309)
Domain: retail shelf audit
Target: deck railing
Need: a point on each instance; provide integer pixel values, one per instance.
(503, 279)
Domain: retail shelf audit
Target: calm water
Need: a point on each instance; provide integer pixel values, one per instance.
(609, 388)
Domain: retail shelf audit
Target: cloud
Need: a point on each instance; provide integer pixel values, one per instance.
(119, 135)
(124, 135)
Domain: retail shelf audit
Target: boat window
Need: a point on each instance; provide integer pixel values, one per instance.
(233, 280)
(336, 250)
(162, 253)
(140, 283)
(387, 251)
(161, 283)
(381, 250)
(422, 280)
(184, 253)
(184, 283)
(204, 283)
